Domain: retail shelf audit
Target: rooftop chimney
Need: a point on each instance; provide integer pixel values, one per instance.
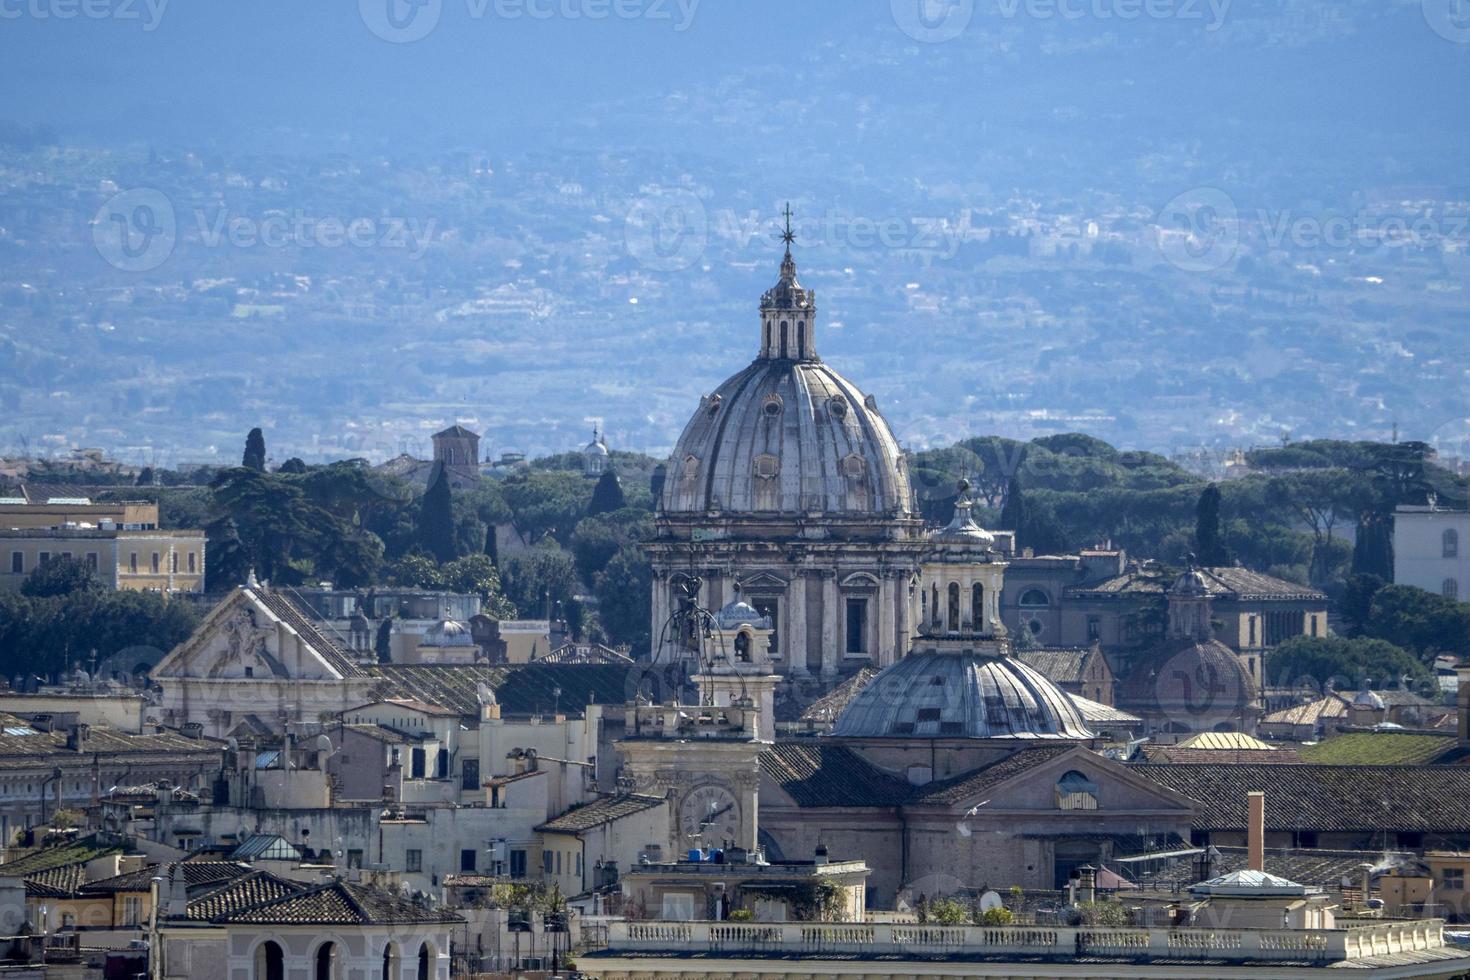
(1256, 830)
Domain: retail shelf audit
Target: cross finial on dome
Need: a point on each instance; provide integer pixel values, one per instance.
(788, 236)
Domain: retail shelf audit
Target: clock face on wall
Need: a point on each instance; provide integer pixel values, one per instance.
(709, 816)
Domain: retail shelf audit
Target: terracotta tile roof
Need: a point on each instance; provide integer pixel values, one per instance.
(338, 903)
(1427, 799)
(521, 689)
(1226, 582)
(1311, 713)
(1058, 664)
(74, 852)
(585, 653)
(820, 774)
(825, 709)
(49, 748)
(1174, 754)
(960, 788)
(285, 610)
(599, 812)
(61, 882)
(247, 891)
(195, 873)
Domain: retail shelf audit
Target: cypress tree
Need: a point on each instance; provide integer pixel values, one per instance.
(607, 496)
(1013, 513)
(436, 519)
(254, 458)
(492, 545)
(1207, 536)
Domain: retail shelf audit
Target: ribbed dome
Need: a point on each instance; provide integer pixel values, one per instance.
(1205, 675)
(787, 436)
(937, 693)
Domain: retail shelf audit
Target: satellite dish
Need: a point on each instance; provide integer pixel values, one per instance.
(990, 900)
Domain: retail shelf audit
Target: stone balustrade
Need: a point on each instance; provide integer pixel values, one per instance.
(1303, 946)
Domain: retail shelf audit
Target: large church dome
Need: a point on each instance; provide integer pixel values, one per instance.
(787, 435)
(940, 692)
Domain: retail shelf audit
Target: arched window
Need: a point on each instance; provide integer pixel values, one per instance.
(1451, 542)
(977, 607)
(785, 339)
(1451, 588)
(270, 962)
(326, 961)
(391, 970)
(1034, 599)
(954, 607)
(425, 958)
(742, 647)
(934, 604)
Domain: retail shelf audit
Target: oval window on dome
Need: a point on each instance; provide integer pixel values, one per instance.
(690, 469)
(837, 407)
(767, 467)
(854, 467)
(772, 406)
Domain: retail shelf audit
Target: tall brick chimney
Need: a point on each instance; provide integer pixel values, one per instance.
(1256, 830)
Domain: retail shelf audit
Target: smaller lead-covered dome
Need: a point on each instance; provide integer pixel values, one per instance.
(943, 693)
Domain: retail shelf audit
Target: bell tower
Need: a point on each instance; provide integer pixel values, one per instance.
(740, 672)
(789, 312)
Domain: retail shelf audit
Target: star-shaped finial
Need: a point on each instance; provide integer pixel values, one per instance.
(788, 236)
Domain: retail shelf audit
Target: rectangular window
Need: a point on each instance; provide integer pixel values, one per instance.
(546, 862)
(467, 859)
(193, 563)
(1454, 879)
(173, 558)
(91, 561)
(413, 860)
(470, 774)
(857, 626)
(132, 910)
(133, 562)
(354, 857)
(1253, 631)
(417, 770)
(17, 563)
(558, 862)
(154, 563)
(518, 863)
(1094, 629)
(43, 558)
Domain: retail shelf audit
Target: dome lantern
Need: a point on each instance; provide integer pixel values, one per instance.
(788, 312)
